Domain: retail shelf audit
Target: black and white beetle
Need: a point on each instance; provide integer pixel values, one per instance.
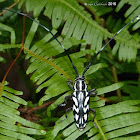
(80, 96)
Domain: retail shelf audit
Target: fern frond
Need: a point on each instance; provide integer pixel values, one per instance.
(129, 47)
(50, 68)
(9, 46)
(132, 11)
(32, 5)
(2, 60)
(9, 117)
(132, 88)
(9, 29)
(93, 6)
(78, 24)
(112, 122)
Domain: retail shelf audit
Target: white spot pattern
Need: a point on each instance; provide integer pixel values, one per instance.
(76, 109)
(80, 121)
(85, 117)
(76, 117)
(86, 108)
(80, 96)
(85, 124)
(86, 101)
(74, 93)
(80, 84)
(75, 101)
(86, 93)
(77, 125)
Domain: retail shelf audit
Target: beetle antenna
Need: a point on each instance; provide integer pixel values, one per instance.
(23, 14)
(138, 17)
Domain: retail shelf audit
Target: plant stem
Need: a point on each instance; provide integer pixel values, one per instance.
(116, 80)
(138, 67)
(114, 72)
(102, 133)
(9, 7)
(22, 47)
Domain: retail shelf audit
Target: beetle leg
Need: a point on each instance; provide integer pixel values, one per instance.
(69, 84)
(92, 93)
(92, 90)
(65, 102)
(94, 112)
(67, 110)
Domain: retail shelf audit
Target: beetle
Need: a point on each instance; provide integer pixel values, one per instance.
(80, 95)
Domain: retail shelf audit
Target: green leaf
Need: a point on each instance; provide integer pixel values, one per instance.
(94, 68)
(9, 116)
(109, 88)
(9, 29)
(9, 46)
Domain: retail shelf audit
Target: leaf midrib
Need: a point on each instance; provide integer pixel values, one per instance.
(85, 19)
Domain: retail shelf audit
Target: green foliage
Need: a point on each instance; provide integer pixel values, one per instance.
(12, 126)
(112, 123)
(132, 10)
(50, 68)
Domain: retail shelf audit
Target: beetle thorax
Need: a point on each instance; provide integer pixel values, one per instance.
(80, 84)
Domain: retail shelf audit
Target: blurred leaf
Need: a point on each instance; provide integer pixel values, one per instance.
(9, 116)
